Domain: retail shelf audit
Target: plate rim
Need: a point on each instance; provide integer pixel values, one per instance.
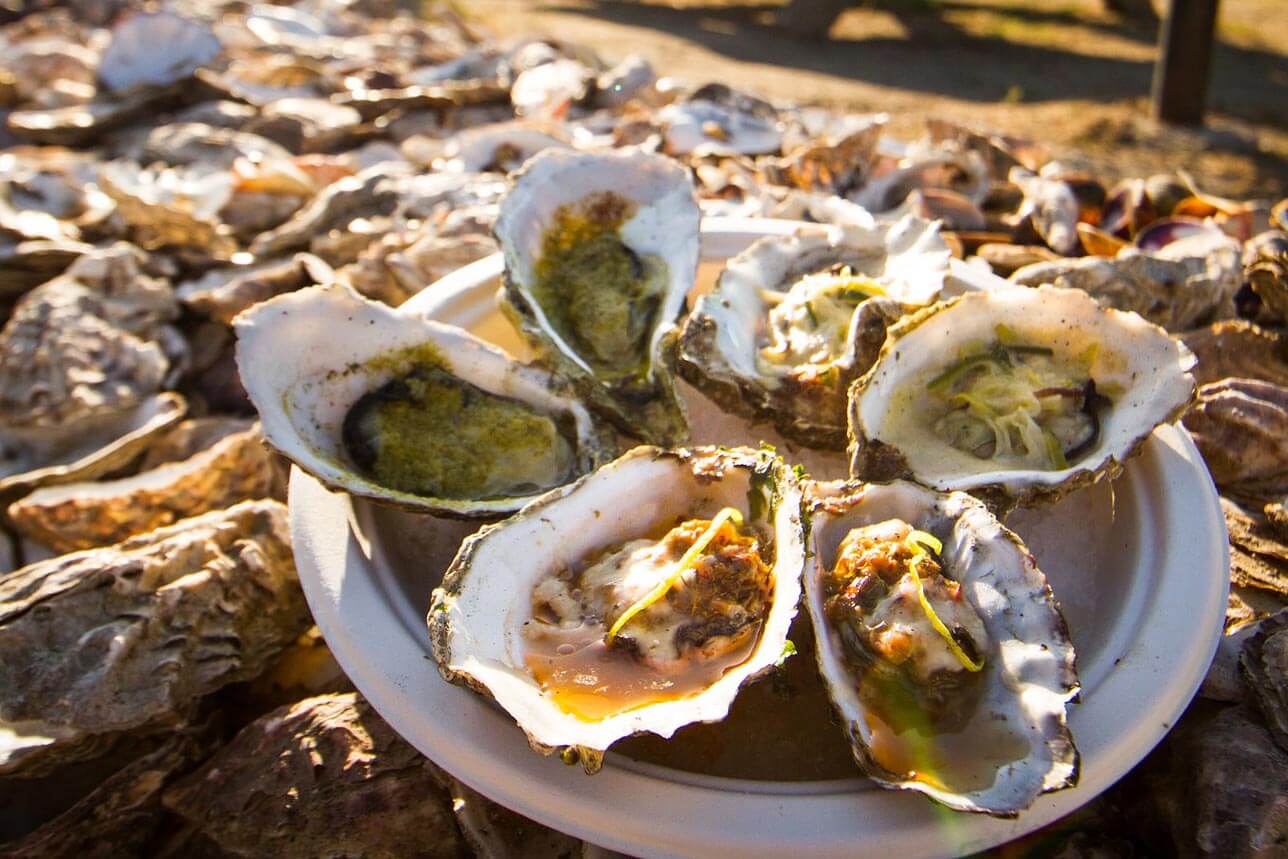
(621, 808)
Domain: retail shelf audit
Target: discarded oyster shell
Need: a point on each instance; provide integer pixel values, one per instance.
(1241, 428)
(131, 636)
(154, 49)
(171, 208)
(499, 148)
(1237, 347)
(1219, 784)
(1177, 294)
(79, 371)
(975, 717)
(502, 641)
(1265, 667)
(84, 515)
(407, 411)
(1051, 207)
(98, 444)
(1258, 557)
(795, 319)
(285, 780)
(223, 293)
(953, 400)
(1265, 265)
(123, 814)
(716, 120)
(600, 253)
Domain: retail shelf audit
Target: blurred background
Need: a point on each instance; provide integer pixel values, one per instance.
(1073, 73)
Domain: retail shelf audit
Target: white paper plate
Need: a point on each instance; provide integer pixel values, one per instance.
(1139, 568)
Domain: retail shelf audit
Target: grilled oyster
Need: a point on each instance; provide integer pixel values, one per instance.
(795, 319)
(674, 601)
(408, 411)
(600, 252)
(1020, 395)
(941, 646)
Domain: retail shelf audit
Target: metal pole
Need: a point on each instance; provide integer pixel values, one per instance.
(1184, 60)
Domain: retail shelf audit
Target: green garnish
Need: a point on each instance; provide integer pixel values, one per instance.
(922, 545)
(726, 515)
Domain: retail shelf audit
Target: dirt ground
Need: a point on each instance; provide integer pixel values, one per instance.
(1063, 72)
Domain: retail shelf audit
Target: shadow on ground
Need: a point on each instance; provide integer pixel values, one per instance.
(939, 57)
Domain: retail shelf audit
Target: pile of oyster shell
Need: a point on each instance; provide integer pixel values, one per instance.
(208, 213)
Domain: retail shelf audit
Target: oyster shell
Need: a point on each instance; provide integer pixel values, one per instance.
(84, 515)
(953, 400)
(155, 49)
(498, 434)
(81, 360)
(1265, 667)
(121, 815)
(1265, 265)
(794, 320)
(717, 120)
(303, 781)
(1237, 347)
(1177, 294)
(489, 637)
(993, 738)
(572, 224)
(130, 637)
(223, 293)
(1241, 428)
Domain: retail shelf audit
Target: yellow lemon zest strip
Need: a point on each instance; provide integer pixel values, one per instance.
(727, 514)
(919, 542)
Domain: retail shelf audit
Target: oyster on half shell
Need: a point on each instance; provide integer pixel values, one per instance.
(600, 253)
(409, 411)
(795, 319)
(941, 646)
(672, 601)
(1017, 395)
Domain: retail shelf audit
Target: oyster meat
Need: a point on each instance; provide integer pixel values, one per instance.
(794, 320)
(672, 601)
(1018, 395)
(600, 253)
(941, 646)
(408, 411)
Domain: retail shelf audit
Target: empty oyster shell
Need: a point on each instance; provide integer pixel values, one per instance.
(1237, 347)
(121, 815)
(80, 365)
(84, 515)
(408, 411)
(716, 120)
(990, 737)
(1177, 294)
(154, 49)
(794, 320)
(1241, 428)
(1265, 666)
(1021, 395)
(600, 253)
(131, 636)
(284, 781)
(497, 638)
(1265, 265)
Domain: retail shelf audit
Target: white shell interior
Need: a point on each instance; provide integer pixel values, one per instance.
(305, 359)
(1025, 663)
(1141, 358)
(664, 225)
(576, 522)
